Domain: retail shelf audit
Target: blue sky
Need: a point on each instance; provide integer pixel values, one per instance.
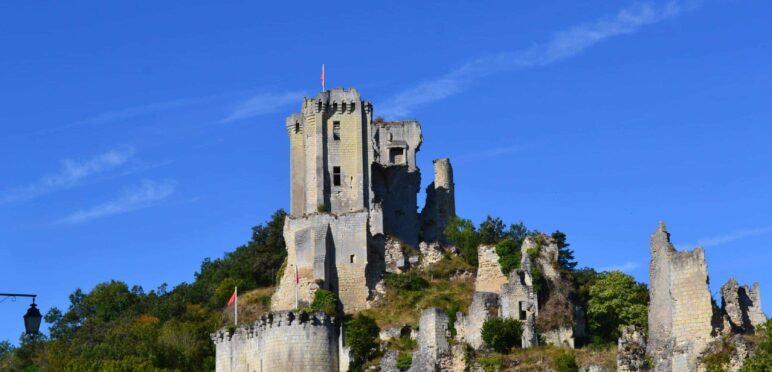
(138, 139)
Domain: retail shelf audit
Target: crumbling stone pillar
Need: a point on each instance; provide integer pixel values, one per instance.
(631, 350)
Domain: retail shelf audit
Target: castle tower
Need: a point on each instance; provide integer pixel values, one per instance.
(330, 152)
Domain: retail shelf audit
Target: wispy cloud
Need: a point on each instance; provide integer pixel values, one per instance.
(732, 236)
(624, 267)
(71, 174)
(489, 153)
(142, 110)
(261, 104)
(147, 194)
(562, 45)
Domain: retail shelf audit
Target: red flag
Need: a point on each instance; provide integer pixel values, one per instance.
(233, 299)
(322, 76)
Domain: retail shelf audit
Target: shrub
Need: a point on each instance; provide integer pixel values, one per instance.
(502, 334)
(762, 357)
(509, 255)
(321, 208)
(361, 336)
(566, 362)
(325, 301)
(407, 281)
(404, 360)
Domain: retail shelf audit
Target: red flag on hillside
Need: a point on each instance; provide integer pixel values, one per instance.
(233, 299)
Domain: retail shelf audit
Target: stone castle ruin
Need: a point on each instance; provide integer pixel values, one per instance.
(684, 320)
(354, 185)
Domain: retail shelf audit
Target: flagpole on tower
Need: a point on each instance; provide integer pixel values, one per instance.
(236, 308)
(297, 285)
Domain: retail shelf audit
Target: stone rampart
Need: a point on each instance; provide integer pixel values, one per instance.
(281, 341)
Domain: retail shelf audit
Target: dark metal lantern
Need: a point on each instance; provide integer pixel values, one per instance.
(32, 320)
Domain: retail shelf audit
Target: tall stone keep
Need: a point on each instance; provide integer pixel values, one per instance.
(354, 182)
(680, 307)
(330, 153)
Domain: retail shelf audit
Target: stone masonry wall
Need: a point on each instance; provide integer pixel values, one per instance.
(283, 341)
(490, 278)
(328, 251)
(433, 348)
(680, 309)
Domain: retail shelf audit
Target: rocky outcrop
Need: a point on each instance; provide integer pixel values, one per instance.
(394, 256)
(431, 253)
(631, 350)
(742, 306)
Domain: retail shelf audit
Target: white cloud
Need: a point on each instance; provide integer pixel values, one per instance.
(262, 104)
(562, 45)
(732, 236)
(148, 194)
(624, 267)
(71, 174)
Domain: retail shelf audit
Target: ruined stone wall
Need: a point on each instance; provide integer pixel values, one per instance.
(328, 251)
(742, 306)
(490, 278)
(485, 305)
(440, 205)
(283, 341)
(395, 189)
(433, 348)
(680, 308)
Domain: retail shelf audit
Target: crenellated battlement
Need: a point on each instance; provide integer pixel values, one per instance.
(337, 100)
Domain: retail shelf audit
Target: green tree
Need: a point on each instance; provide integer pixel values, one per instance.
(616, 300)
(464, 236)
(491, 230)
(502, 334)
(361, 336)
(565, 255)
(509, 255)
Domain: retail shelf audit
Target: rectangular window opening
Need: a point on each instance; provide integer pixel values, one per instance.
(336, 176)
(351, 258)
(522, 310)
(336, 130)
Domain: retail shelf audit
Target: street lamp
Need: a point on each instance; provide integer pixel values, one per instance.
(32, 318)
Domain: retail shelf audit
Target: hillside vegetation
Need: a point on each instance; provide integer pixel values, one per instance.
(119, 327)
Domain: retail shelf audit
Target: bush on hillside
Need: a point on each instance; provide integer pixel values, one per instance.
(361, 336)
(502, 334)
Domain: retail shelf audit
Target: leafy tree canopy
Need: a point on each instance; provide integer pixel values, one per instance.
(616, 300)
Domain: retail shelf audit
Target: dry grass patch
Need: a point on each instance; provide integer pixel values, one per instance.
(252, 305)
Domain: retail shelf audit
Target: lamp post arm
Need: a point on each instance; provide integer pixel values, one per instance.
(14, 295)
